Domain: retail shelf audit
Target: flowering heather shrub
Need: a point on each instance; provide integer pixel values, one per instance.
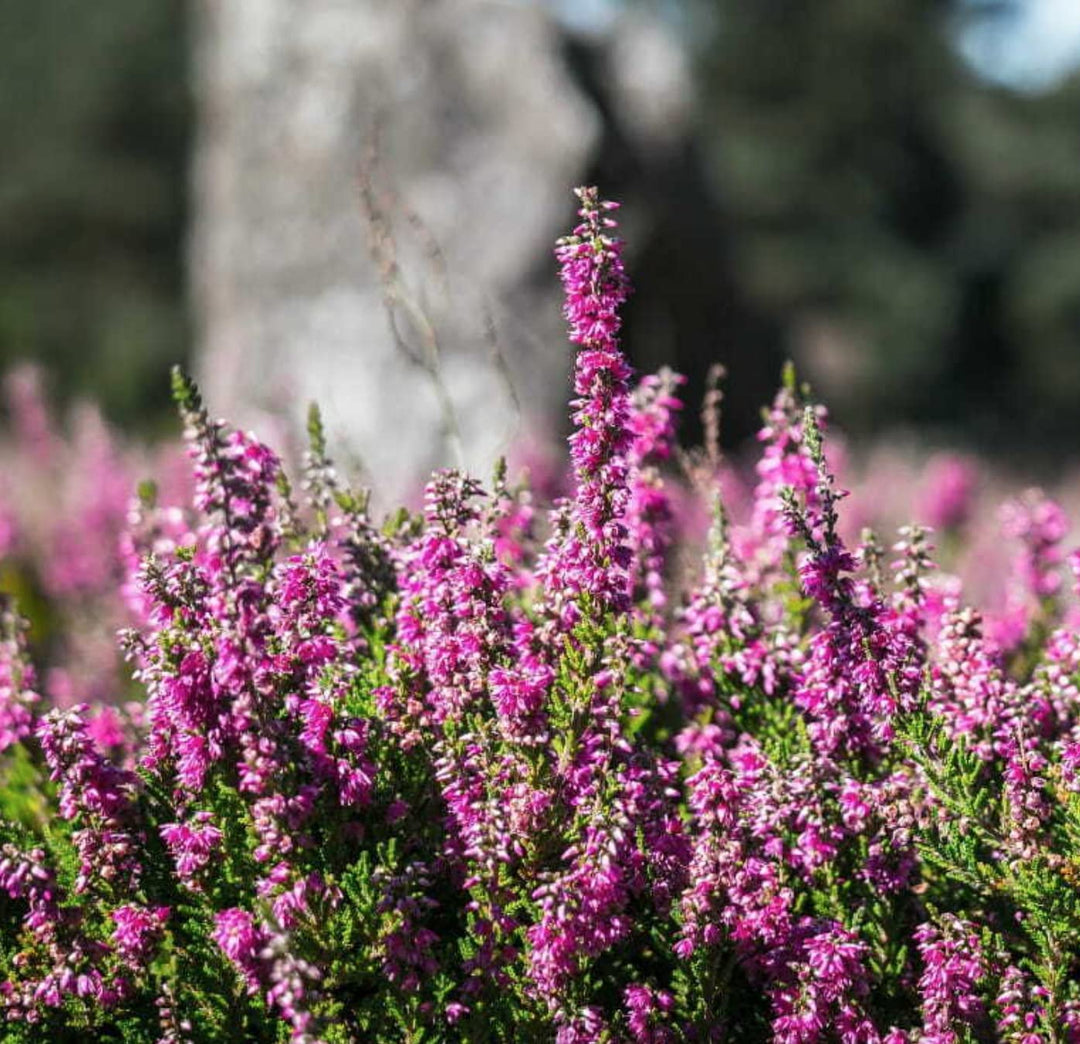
(473, 776)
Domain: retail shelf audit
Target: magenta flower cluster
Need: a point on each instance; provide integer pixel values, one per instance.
(486, 774)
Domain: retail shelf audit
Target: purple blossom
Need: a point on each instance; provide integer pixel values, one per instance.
(948, 493)
(650, 514)
(17, 683)
(98, 795)
(953, 967)
(137, 930)
(592, 274)
(23, 875)
(1019, 1009)
(242, 941)
(823, 985)
(591, 557)
(292, 987)
(193, 845)
(647, 1010)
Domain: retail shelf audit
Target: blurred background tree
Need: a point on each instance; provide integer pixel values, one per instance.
(860, 189)
(911, 225)
(94, 120)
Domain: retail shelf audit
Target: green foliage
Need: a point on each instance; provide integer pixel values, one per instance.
(95, 120)
(883, 211)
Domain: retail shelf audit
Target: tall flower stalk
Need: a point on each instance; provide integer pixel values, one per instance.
(589, 562)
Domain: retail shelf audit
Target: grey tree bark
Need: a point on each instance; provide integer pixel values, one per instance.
(377, 188)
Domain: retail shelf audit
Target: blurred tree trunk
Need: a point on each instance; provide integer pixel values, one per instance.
(374, 156)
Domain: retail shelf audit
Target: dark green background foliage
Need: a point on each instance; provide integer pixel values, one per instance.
(94, 120)
(871, 178)
(849, 181)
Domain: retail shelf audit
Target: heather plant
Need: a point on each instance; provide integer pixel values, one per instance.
(504, 771)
